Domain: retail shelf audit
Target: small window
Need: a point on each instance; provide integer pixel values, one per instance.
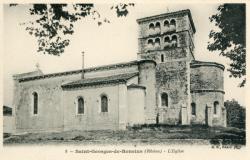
(166, 23)
(172, 25)
(151, 26)
(162, 58)
(193, 108)
(35, 103)
(164, 99)
(174, 41)
(157, 41)
(104, 103)
(150, 41)
(167, 39)
(216, 105)
(80, 105)
(172, 22)
(157, 25)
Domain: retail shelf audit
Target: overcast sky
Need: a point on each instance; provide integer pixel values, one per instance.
(110, 43)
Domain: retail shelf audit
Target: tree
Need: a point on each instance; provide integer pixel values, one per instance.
(230, 37)
(55, 23)
(236, 114)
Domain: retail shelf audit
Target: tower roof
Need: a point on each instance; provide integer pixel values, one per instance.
(187, 11)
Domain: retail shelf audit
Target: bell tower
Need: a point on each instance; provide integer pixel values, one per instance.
(168, 40)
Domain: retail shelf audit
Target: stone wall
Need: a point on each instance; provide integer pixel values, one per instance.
(136, 106)
(50, 113)
(93, 118)
(8, 124)
(147, 78)
(207, 88)
(207, 77)
(172, 78)
(204, 99)
(182, 23)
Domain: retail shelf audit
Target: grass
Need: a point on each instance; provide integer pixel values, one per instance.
(138, 135)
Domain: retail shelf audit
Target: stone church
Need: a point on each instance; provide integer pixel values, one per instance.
(165, 85)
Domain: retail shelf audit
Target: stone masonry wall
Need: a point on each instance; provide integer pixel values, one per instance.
(93, 118)
(207, 88)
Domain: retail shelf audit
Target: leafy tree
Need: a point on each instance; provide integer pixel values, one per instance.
(230, 37)
(55, 22)
(236, 114)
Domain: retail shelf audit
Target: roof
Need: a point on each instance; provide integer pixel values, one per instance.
(120, 78)
(28, 74)
(104, 67)
(98, 68)
(186, 11)
(195, 64)
(136, 86)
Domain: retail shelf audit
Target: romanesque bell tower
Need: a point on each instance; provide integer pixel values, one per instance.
(168, 40)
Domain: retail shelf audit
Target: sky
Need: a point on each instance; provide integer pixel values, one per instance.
(106, 44)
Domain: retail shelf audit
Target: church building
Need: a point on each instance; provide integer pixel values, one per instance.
(165, 85)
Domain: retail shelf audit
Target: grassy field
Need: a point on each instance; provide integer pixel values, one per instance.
(143, 135)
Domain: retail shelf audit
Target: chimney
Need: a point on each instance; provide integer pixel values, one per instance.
(82, 65)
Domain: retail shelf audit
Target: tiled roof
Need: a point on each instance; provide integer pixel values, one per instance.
(28, 74)
(104, 67)
(121, 78)
(195, 63)
(98, 68)
(136, 86)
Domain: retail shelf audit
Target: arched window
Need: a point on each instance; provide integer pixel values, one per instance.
(193, 108)
(157, 42)
(174, 41)
(151, 26)
(172, 25)
(216, 104)
(35, 103)
(164, 99)
(80, 105)
(166, 23)
(104, 103)
(162, 58)
(167, 42)
(157, 25)
(167, 39)
(150, 42)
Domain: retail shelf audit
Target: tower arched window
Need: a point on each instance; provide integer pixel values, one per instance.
(167, 42)
(150, 43)
(157, 27)
(151, 26)
(104, 103)
(35, 103)
(193, 108)
(174, 41)
(162, 58)
(172, 25)
(216, 106)
(166, 23)
(157, 42)
(164, 99)
(80, 105)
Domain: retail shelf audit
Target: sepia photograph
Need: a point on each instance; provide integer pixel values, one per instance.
(124, 74)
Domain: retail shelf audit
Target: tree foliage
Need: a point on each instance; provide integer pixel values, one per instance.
(230, 38)
(54, 23)
(236, 114)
